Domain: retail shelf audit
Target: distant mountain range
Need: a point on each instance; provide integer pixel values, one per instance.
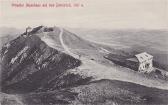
(7, 34)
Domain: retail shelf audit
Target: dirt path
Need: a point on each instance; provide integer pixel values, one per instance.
(64, 46)
(99, 71)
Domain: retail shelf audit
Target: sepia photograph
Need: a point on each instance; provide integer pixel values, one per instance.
(83, 52)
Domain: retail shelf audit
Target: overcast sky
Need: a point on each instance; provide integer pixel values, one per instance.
(111, 14)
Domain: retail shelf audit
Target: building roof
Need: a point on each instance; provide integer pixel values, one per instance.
(143, 56)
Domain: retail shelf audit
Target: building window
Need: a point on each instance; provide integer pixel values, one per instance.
(147, 65)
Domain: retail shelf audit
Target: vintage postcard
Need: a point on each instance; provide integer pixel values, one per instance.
(83, 52)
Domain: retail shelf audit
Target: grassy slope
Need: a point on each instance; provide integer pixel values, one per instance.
(130, 41)
(102, 92)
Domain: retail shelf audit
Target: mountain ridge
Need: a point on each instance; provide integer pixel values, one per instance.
(29, 55)
(47, 66)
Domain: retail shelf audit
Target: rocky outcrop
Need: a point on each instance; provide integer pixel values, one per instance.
(36, 71)
(28, 63)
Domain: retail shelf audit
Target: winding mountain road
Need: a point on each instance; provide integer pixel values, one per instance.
(98, 71)
(64, 46)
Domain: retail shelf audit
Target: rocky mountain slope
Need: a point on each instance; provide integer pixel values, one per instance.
(37, 69)
(28, 63)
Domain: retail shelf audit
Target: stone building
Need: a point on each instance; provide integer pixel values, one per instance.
(142, 62)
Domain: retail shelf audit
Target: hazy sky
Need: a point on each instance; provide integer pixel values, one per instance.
(150, 14)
